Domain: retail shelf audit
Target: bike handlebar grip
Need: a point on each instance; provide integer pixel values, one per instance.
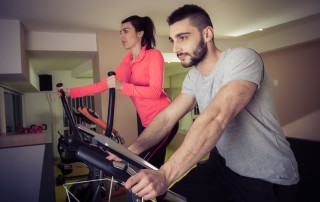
(172, 196)
(68, 111)
(61, 91)
(98, 161)
(111, 73)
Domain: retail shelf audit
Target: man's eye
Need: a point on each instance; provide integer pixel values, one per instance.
(183, 38)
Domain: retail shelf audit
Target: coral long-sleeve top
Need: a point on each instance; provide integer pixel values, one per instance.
(142, 81)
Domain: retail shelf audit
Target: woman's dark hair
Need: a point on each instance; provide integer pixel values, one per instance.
(198, 16)
(146, 25)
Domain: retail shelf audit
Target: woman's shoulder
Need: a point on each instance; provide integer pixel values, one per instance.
(154, 51)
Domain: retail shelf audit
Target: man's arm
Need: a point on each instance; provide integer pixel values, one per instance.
(163, 123)
(200, 139)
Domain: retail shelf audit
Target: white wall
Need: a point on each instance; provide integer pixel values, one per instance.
(50, 41)
(10, 48)
(46, 108)
(38, 110)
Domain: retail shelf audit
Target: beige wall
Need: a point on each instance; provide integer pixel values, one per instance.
(110, 54)
(45, 107)
(297, 70)
(297, 95)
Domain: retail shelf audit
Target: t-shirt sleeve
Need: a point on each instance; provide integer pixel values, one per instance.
(188, 82)
(243, 64)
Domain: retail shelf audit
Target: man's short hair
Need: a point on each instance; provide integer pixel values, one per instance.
(197, 15)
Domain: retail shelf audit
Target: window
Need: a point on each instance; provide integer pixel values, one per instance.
(13, 111)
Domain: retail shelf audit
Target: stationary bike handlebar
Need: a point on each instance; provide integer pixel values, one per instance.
(74, 129)
(111, 105)
(92, 157)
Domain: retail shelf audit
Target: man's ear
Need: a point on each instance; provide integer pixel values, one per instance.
(208, 33)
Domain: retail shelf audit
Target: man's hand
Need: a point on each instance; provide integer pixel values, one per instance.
(113, 157)
(148, 184)
(113, 82)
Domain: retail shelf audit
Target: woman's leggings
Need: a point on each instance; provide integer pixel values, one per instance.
(156, 154)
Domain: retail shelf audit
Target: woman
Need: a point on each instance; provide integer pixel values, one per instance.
(139, 76)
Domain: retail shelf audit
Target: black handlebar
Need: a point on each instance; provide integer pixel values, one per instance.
(84, 153)
(111, 105)
(68, 112)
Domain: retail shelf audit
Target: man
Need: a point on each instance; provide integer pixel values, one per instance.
(250, 159)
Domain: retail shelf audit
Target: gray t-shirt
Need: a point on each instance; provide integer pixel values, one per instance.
(253, 144)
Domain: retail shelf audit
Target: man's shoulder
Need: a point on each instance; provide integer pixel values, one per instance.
(242, 51)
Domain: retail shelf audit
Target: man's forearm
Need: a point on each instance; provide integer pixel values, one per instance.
(199, 141)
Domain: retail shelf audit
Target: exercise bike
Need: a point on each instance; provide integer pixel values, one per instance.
(70, 167)
(94, 155)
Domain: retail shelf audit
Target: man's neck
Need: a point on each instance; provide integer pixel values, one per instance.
(209, 62)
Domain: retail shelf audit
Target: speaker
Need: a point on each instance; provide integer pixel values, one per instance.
(45, 81)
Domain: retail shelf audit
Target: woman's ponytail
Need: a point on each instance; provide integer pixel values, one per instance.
(146, 25)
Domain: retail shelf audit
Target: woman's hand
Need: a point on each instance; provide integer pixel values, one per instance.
(65, 90)
(113, 82)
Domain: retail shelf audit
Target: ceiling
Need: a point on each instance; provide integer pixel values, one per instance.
(232, 19)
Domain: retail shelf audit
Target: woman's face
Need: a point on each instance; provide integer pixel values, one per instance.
(129, 37)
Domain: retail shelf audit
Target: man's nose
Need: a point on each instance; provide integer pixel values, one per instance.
(176, 48)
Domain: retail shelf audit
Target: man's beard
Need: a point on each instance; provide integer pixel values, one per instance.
(197, 55)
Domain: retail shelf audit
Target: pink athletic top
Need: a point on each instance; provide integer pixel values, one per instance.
(141, 81)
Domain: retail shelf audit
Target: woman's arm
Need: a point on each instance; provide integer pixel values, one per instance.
(96, 87)
(89, 89)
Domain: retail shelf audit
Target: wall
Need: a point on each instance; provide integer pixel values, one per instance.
(14, 69)
(307, 127)
(297, 95)
(110, 54)
(45, 107)
(11, 53)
